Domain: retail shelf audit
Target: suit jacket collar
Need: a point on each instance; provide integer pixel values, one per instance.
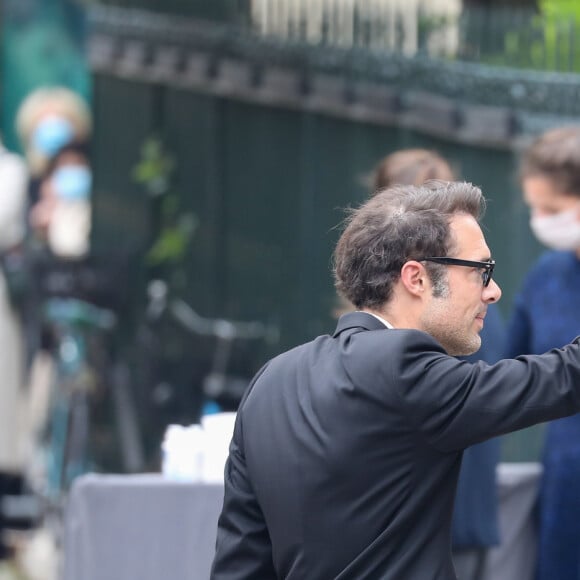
(358, 320)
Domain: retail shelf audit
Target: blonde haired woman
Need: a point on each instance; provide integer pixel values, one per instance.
(48, 119)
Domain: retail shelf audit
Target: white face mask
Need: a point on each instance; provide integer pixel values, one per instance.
(560, 231)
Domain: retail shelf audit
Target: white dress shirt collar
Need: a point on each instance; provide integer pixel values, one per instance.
(385, 322)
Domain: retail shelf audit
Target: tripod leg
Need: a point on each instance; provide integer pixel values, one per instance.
(76, 460)
(126, 420)
(59, 434)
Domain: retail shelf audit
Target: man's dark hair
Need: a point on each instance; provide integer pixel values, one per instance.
(397, 225)
(555, 155)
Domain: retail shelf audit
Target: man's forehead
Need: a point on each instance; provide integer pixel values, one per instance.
(468, 237)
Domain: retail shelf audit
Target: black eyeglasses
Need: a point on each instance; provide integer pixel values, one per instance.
(486, 266)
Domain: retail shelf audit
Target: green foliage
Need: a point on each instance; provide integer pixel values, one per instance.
(175, 227)
(546, 40)
(554, 9)
(155, 168)
(561, 20)
(173, 240)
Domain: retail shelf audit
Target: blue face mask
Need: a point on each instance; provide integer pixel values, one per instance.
(72, 182)
(51, 134)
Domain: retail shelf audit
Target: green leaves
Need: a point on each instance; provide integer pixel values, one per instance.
(173, 240)
(155, 168)
(174, 227)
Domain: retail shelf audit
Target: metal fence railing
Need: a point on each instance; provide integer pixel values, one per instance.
(506, 36)
(502, 36)
(519, 39)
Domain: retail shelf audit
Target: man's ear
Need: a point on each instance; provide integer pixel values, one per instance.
(414, 278)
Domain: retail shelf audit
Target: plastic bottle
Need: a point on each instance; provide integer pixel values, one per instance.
(182, 453)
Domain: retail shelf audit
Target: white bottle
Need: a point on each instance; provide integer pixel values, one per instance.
(218, 431)
(182, 453)
(168, 446)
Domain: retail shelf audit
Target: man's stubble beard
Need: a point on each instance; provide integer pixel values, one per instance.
(455, 341)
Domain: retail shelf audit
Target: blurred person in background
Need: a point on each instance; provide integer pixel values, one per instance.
(48, 119)
(13, 184)
(52, 123)
(58, 241)
(546, 315)
(64, 264)
(475, 517)
(61, 217)
(410, 167)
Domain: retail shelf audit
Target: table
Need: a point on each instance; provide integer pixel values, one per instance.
(145, 527)
(140, 527)
(515, 558)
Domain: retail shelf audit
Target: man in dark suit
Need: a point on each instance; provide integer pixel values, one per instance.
(346, 450)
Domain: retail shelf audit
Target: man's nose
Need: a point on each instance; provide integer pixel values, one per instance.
(491, 292)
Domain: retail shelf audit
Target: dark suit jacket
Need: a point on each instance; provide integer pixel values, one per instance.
(346, 452)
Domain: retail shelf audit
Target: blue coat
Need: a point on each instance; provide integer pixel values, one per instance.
(546, 316)
(476, 506)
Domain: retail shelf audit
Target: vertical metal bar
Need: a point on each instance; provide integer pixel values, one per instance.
(558, 44)
(269, 11)
(287, 12)
(325, 24)
(521, 24)
(421, 32)
(356, 27)
(399, 32)
(303, 21)
(388, 26)
(217, 170)
(571, 44)
(367, 24)
(525, 36)
(336, 22)
(309, 161)
(539, 28)
(332, 21)
(504, 14)
(130, 435)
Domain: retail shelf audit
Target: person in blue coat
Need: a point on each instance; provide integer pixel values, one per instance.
(546, 316)
(475, 526)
